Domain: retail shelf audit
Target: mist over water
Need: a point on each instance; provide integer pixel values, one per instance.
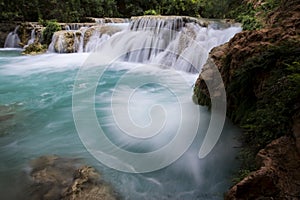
(37, 91)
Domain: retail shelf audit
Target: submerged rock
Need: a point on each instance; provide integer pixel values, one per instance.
(53, 177)
(7, 119)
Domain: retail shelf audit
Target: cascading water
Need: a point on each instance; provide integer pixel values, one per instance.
(86, 39)
(12, 40)
(131, 94)
(32, 38)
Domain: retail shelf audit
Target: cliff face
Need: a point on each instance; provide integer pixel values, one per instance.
(261, 74)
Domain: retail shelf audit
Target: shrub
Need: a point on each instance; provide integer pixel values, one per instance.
(51, 28)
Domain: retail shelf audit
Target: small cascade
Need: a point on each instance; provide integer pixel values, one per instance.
(189, 51)
(156, 23)
(67, 28)
(149, 35)
(77, 39)
(100, 20)
(95, 41)
(81, 42)
(86, 39)
(12, 40)
(75, 26)
(32, 37)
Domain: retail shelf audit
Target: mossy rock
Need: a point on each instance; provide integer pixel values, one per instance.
(34, 49)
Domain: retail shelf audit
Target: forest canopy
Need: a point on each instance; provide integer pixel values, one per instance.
(78, 10)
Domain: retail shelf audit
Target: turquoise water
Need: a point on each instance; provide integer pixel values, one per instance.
(36, 92)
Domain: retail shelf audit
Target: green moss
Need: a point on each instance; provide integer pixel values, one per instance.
(201, 98)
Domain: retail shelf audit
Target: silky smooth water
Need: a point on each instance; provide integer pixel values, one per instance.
(141, 101)
(37, 90)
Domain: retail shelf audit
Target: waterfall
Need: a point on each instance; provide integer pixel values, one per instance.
(32, 38)
(67, 27)
(189, 51)
(65, 42)
(81, 42)
(182, 43)
(12, 40)
(171, 42)
(86, 39)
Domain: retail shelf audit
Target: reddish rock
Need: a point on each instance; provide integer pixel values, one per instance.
(278, 177)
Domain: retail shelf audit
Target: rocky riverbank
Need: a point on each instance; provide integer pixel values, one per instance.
(260, 70)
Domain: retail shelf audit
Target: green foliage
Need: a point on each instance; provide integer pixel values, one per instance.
(266, 93)
(249, 22)
(77, 10)
(150, 12)
(246, 14)
(251, 16)
(64, 11)
(270, 5)
(51, 28)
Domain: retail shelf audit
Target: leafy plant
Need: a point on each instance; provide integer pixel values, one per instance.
(51, 28)
(150, 12)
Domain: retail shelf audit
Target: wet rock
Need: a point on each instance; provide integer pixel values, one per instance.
(25, 32)
(66, 41)
(53, 177)
(34, 49)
